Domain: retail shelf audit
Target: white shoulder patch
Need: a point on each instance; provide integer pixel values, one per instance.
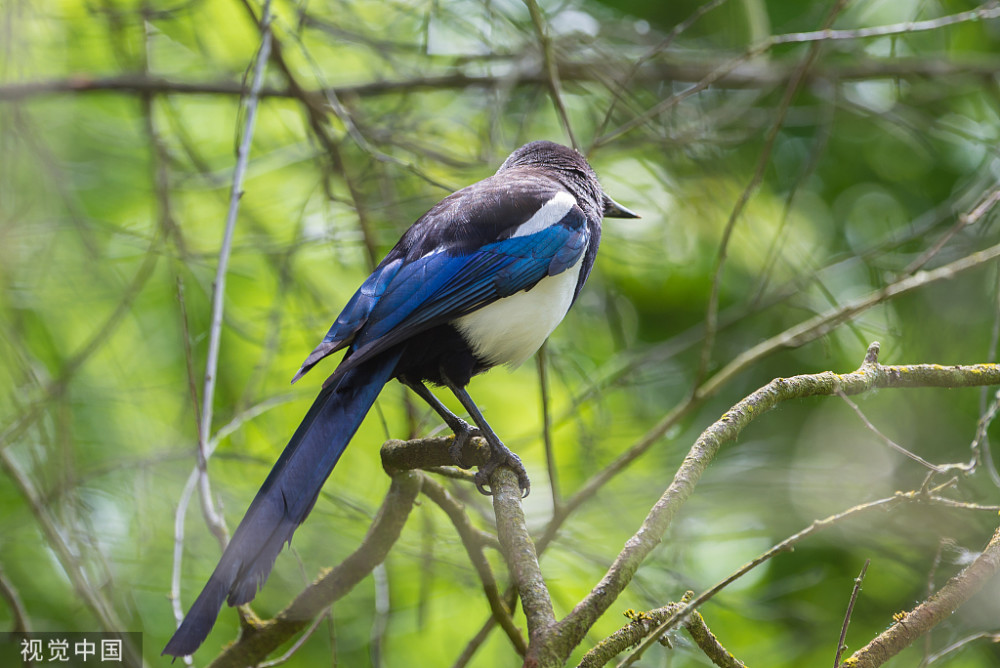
(550, 214)
(511, 329)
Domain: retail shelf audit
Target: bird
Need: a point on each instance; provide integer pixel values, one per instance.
(479, 280)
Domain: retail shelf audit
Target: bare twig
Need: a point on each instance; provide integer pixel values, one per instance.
(622, 82)
(800, 334)
(712, 314)
(380, 579)
(959, 644)
(841, 646)
(980, 446)
(215, 521)
(943, 542)
(720, 72)
(888, 441)
(641, 624)
(542, 359)
(551, 69)
(199, 476)
(691, 602)
(644, 622)
(477, 640)
(797, 335)
(91, 594)
(910, 626)
(16, 605)
(301, 640)
(823, 323)
(989, 10)
(986, 203)
(740, 75)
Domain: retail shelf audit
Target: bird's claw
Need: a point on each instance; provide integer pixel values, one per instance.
(462, 437)
(502, 457)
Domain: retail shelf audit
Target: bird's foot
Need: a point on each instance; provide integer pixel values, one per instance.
(502, 456)
(463, 434)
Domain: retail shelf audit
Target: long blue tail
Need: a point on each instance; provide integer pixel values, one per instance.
(286, 497)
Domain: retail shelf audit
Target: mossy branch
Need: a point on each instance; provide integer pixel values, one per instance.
(931, 612)
(565, 635)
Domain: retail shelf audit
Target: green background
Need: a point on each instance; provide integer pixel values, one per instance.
(114, 187)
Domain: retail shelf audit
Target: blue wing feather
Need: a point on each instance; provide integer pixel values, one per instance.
(403, 298)
(356, 312)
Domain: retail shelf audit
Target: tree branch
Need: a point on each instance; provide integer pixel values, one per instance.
(473, 543)
(643, 623)
(742, 75)
(931, 612)
(260, 638)
(791, 89)
(522, 560)
(551, 69)
(817, 326)
(568, 632)
(17, 611)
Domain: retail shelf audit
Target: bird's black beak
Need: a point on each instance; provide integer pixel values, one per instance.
(613, 209)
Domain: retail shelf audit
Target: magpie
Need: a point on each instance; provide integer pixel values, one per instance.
(480, 280)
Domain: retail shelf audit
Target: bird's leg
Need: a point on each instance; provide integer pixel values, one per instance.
(500, 454)
(463, 430)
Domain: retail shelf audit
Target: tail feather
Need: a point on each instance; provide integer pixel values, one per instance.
(285, 498)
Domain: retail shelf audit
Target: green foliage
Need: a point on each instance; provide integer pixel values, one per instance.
(114, 187)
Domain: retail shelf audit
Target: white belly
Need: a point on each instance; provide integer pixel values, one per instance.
(511, 329)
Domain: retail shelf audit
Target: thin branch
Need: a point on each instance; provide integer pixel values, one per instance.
(841, 643)
(788, 544)
(215, 521)
(301, 640)
(551, 69)
(569, 631)
(383, 605)
(964, 220)
(980, 446)
(640, 626)
(477, 640)
(199, 475)
(542, 360)
(959, 644)
(719, 73)
(800, 334)
(823, 323)
(644, 622)
(91, 595)
(907, 628)
(989, 10)
(707, 642)
(622, 82)
(943, 542)
(794, 336)
(15, 604)
(741, 75)
(794, 84)
(888, 441)
(680, 613)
